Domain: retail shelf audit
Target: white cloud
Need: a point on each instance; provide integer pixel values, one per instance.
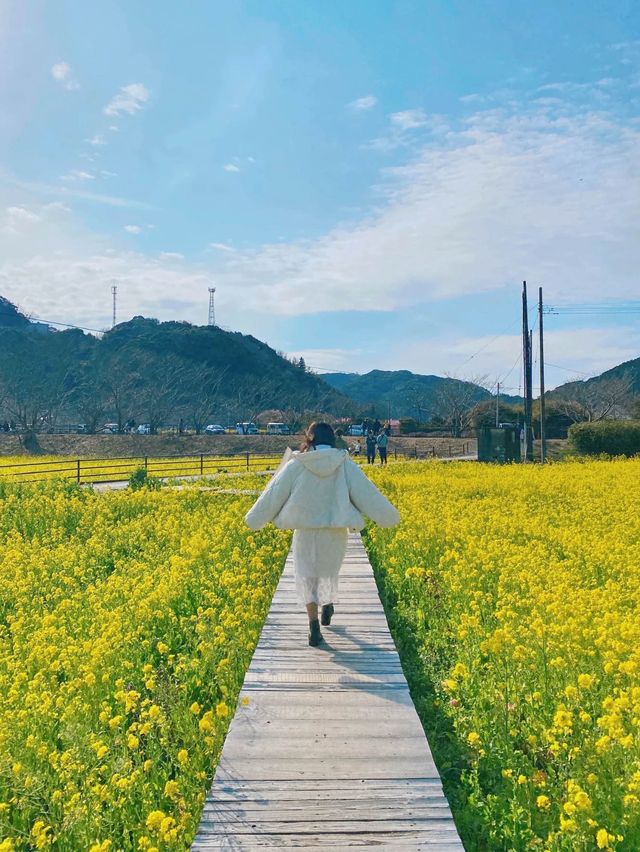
(61, 73)
(409, 119)
(97, 140)
(171, 255)
(221, 247)
(332, 360)
(78, 174)
(107, 174)
(19, 215)
(551, 196)
(363, 104)
(129, 100)
(133, 229)
(251, 159)
(230, 167)
(578, 351)
(402, 126)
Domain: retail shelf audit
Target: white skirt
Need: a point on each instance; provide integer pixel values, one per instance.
(317, 557)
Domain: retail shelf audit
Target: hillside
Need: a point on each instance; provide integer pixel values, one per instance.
(627, 372)
(150, 372)
(10, 316)
(407, 394)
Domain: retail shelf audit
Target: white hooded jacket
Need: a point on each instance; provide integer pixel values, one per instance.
(321, 489)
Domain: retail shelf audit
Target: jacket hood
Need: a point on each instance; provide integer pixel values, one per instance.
(322, 463)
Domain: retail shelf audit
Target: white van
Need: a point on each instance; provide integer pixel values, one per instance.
(246, 429)
(278, 429)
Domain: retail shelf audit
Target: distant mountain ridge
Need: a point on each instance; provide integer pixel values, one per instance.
(405, 393)
(627, 371)
(148, 371)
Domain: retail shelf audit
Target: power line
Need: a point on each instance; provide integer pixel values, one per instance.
(33, 319)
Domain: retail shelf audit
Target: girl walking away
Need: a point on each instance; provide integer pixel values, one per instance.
(320, 494)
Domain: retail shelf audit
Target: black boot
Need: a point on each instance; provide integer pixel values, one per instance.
(315, 637)
(327, 612)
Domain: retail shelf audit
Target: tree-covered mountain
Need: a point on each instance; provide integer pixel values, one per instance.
(628, 372)
(151, 372)
(408, 394)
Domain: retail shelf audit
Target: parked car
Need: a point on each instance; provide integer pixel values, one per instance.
(214, 429)
(109, 429)
(144, 429)
(246, 429)
(278, 429)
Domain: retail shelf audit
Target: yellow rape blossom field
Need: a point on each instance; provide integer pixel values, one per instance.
(513, 594)
(43, 467)
(127, 621)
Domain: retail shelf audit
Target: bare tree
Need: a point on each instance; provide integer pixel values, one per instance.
(594, 400)
(161, 380)
(36, 382)
(455, 400)
(206, 387)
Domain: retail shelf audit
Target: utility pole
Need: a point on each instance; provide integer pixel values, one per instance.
(498, 406)
(114, 292)
(528, 390)
(212, 309)
(543, 439)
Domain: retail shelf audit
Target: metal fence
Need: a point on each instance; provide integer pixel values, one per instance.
(120, 469)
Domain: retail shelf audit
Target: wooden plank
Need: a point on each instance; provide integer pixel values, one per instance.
(326, 750)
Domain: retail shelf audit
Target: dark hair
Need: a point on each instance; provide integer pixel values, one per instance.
(318, 433)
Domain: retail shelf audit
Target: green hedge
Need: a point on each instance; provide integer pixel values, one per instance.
(613, 437)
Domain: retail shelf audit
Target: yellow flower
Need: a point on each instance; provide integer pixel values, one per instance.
(585, 681)
(473, 739)
(132, 742)
(602, 838)
(154, 820)
(222, 710)
(543, 802)
(183, 757)
(206, 723)
(582, 801)
(172, 789)
(195, 708)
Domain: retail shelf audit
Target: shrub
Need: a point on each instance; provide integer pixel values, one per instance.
(613, 437)
(140, 479)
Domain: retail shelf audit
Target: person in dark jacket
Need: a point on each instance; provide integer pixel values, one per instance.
(371, 447)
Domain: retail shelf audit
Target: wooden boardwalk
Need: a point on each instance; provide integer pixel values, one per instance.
(329, 752)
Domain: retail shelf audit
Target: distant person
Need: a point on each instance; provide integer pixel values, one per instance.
(371, 447)
(377, 426)
(357, 448)
(320, 493)
(382, 441)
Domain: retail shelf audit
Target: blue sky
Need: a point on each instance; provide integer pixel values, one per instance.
(365, 183)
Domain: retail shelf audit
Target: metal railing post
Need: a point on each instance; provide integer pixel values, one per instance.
(201, 463)
(78, 471)
(247, 461)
